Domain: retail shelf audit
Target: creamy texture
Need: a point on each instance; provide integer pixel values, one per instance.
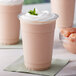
(42, 16)
(11, 2)
(9, 24)
(37, 44)
(66, 14)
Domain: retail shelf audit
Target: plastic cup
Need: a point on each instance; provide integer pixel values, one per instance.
(65, 10)
(9, 23)
(37, 40)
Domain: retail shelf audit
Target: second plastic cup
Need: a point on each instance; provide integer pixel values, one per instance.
(65, 10)
(9, 23)
(37, 43)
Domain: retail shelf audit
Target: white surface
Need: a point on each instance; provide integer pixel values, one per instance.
(7, 56)
(69, 70)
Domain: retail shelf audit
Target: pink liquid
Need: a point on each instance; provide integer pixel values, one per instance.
(37, 44)
(9, 23)
(65, 10)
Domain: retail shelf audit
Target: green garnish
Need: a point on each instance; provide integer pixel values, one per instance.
(33, 12)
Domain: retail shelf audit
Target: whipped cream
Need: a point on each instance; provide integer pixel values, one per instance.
(42, 16)
(11, 2)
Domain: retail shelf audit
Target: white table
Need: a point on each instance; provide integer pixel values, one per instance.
(7, 56)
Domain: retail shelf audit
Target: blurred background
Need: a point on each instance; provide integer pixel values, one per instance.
(35, 1)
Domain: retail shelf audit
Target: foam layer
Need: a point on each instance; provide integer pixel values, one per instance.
(42, 16)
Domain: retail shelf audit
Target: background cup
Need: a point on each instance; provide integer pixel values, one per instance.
(37, 43)
(9, 23)
(65, 10)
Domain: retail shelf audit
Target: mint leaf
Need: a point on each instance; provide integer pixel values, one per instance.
(33, 12)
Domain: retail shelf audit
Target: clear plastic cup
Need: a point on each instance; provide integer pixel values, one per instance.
(37, 40)
(9, 23)
(65, 10)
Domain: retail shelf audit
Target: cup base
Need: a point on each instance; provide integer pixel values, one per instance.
(38, 67)
(9, 42)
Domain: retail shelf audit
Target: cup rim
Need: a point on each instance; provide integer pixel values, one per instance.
(47, 21)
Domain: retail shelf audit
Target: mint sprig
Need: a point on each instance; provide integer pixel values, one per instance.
(33, 12)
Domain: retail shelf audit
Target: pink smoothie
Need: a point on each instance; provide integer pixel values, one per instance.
(37, 44)
(65, 10)
(37, 39)
(9, 23)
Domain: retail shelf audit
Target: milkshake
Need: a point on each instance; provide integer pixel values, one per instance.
(9, 22)
(37, 35)
(65, 10)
